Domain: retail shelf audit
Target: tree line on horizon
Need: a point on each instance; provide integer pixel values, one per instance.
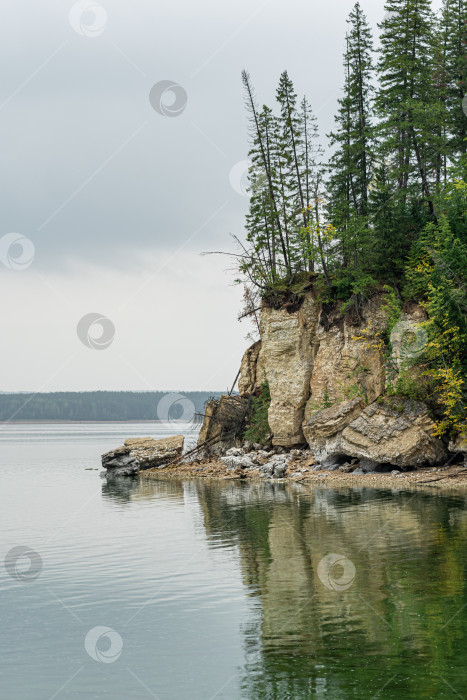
(388, 210)
(104, 405)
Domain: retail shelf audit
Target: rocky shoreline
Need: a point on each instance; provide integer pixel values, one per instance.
(336, 410)
(442, 478)
(148, 458)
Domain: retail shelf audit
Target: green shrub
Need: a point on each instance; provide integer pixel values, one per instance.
(258, 428)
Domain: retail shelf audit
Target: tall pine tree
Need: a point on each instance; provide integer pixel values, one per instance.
(351, 163)
(407, 102)
(453, 51)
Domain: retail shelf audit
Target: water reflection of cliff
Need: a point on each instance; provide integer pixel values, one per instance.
(399, 628)
(402, 613)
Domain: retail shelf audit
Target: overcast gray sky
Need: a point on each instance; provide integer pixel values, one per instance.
(118, 199)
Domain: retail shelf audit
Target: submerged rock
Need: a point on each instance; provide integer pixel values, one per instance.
(142, 453)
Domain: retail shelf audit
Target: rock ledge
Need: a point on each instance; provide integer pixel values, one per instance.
(142, 453)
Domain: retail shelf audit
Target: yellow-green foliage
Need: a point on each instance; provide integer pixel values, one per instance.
(437, 274)
(392, 307)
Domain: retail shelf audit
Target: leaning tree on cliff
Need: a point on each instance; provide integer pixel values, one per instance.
(354, 220)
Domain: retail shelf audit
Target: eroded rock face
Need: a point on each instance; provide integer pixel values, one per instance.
(287, 357)
(250, 379)
(142, 453)
(310, 357)
(314, 357)
(349, 359)
(398, 432)
(323, 429)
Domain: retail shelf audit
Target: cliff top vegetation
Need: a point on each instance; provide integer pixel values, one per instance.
(388, 207)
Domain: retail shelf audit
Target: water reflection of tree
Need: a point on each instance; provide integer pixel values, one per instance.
(410, 555)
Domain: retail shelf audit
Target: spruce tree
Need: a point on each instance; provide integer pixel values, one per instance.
(341, 166)
(360, 47)
(351, 164)
(453, 52)
(264, 158)
(407, 101)
(311, 173)
(261, 220)
(290, 167)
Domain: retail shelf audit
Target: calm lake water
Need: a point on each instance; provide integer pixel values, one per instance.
(202, 591)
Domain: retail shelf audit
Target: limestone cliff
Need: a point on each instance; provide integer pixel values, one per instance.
(348, 358)
(326, 375)
(286, 359)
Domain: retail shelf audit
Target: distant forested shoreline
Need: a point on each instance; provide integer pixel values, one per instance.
(104, 405)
